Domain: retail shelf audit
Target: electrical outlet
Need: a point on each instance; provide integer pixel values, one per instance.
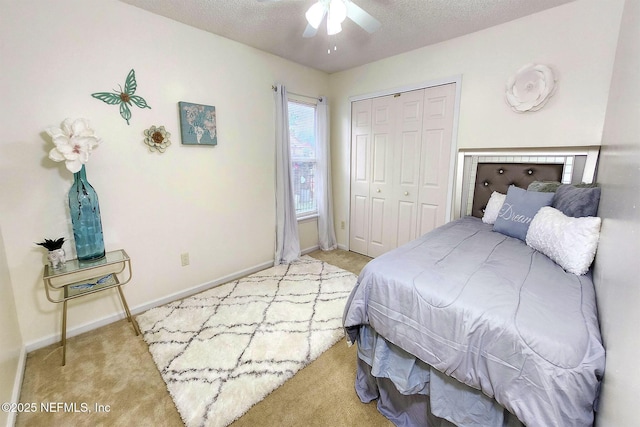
(184, 258)
(342, 224)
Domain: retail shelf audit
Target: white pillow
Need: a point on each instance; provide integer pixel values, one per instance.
(570, 242)
(493, 207)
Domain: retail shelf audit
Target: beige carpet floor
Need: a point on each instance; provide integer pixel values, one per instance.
(110, 379)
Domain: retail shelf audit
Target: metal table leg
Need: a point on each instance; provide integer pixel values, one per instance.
(126, 309)
(64, 333)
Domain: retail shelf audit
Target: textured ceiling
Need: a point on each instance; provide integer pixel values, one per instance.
(277, 26)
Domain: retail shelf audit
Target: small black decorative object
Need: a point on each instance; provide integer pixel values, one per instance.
(56, 255)
(52, 245)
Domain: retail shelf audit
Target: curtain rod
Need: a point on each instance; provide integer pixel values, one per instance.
(274, 88)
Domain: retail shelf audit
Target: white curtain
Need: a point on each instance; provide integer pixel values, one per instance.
(326, 231)
(287, 241)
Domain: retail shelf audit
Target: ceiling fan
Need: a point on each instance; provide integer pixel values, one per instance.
(336, 12)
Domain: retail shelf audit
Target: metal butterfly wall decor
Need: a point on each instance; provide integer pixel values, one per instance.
(124, 97)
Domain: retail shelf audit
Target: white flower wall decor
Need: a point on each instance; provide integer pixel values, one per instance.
(157, 138)
(530, 88)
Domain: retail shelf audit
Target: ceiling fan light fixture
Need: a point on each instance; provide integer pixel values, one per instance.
(337, 11)
(315, 14)
(336, 15)
(333, 27)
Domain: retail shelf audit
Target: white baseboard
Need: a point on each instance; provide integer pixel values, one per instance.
(199, 288)
(309, 250)
(343, 247)
(95, 324)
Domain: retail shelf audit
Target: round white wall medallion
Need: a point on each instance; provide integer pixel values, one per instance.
(530, 88)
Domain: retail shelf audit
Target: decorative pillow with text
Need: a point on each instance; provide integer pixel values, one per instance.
(518, 210)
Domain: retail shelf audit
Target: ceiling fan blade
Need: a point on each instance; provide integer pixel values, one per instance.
(309, 31)
(362, 18)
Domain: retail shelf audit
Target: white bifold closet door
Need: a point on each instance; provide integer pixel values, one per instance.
(400, 160)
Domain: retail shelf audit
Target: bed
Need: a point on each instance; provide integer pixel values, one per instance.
(470, 326)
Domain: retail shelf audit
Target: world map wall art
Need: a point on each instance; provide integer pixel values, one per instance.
(198, 124)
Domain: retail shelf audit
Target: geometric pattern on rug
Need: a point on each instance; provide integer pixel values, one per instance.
(223, 350)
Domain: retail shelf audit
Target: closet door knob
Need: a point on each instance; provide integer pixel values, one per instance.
(377, 190)
(406, 193)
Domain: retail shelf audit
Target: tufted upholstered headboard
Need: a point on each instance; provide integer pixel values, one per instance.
(475, 168)
(498, 177)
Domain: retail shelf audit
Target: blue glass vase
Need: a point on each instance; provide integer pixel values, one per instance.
(85, 217)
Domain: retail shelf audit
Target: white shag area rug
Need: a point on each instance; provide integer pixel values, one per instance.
(222, 351)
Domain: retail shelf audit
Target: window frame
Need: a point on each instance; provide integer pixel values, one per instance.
(310, 214)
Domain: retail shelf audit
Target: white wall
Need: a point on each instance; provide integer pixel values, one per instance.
(215, 203)
(616, 267)
(577, 40)
(11, 344)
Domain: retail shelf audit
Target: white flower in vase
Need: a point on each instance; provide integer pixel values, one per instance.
(74, 141)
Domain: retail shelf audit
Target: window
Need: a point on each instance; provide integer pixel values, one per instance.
(302, 143)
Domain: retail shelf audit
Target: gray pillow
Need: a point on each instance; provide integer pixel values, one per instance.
(544, 186)
(518, 210)
(577, 201)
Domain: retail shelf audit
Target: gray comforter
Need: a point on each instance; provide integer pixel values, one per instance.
(494, 314)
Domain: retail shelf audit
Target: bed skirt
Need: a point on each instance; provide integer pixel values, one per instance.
(410, 393)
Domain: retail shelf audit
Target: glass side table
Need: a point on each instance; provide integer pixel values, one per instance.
(76, 279)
